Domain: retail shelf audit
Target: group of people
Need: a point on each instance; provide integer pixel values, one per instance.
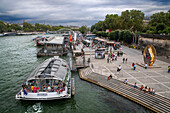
(147, 89)
(111, 57)
(32, 87)
(142, 88)
(125, 60)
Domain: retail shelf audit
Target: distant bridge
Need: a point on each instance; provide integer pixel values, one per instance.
(62, 31)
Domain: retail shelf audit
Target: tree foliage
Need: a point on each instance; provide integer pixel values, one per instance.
(2, 27)
(132, 20)
(83, 29)
(159, 22)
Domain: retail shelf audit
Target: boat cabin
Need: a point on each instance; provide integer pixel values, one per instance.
(50, 80)
(100, 53)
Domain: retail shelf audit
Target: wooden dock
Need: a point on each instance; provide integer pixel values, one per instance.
(155, 102)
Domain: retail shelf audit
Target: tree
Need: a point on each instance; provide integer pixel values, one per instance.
(112, 35)
(28, 27)
(133, 20)
(94, 31)
(117, 35)
(16, 27)
(37, 27)
(160, 17)
(112, 22)
(83, 29)
(2, 27)
(92, 28)
(127, 36)
(160, 27)
(167, 30)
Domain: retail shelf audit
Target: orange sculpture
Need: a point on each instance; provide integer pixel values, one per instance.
(149, 55)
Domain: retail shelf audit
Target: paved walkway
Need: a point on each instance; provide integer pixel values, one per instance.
(154, 102)
(156, 78)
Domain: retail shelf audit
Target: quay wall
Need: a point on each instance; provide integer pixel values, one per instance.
(161, 44)
(115, 91)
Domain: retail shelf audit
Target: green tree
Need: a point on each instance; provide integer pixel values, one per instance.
(112, 22)
(94, 31)
(2, 27)
(112, 35)
(133, 20)
(83, 29)
(167, 30)
(16, 27)
(117, 35)
(160, 27)
(127, 36)
(27, 27)
(37, 27)
(160, 17)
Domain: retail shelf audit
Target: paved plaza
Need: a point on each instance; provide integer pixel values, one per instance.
(157, 78)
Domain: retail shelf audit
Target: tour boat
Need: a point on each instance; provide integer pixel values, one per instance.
(49, 81)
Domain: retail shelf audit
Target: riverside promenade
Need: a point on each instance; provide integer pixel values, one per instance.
(156, 78)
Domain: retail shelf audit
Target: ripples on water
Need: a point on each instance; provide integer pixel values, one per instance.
(18, 59)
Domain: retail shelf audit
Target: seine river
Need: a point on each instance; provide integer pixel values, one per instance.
(18, 59)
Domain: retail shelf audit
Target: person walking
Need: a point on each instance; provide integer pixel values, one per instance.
(119, 68)
(108, 59)
(146, 65)
(123, 60)
(168, 69)
(126, 60)
(134, 66)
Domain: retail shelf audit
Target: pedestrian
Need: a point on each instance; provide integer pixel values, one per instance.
(110, 76)
(115, 57)
(123, 60)
(141, 88)
(134, 67)
(168, 69)
(118, 53)
(133, 64)
(145, 89)
(149, 90)
(83, 59)
(146, 65)
(153, 91)
(135, 85)
(125, 81)
(126, 60)
(119, 68)
(108, 60)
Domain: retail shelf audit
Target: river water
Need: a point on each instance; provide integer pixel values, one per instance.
(18, 59)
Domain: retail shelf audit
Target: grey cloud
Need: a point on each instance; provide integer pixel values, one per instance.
(75, 12)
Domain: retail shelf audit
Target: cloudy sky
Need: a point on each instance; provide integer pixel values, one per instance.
(73, 12)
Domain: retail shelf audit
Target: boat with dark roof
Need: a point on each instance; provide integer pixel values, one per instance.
(49, 81)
